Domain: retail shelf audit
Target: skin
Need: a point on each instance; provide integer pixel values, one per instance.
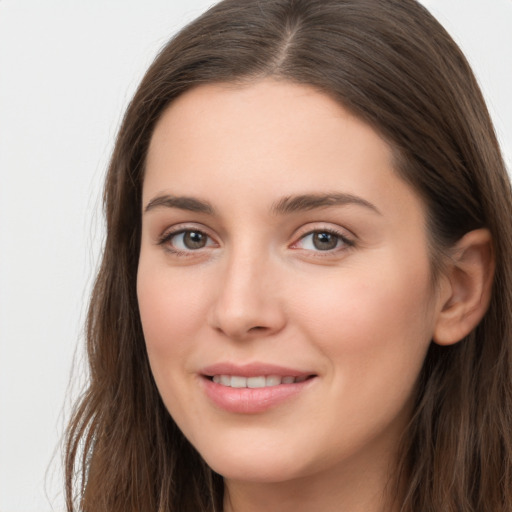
(360, 316)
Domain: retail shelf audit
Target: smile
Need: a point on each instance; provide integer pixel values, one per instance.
(238, 381)
(253, 392)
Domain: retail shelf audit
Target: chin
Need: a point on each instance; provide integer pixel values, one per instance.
(254, 461)
(256, 471)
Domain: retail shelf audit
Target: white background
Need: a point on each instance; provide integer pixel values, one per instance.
(67, 71)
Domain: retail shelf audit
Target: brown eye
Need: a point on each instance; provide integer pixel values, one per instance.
(194, 239)
(186, 240)
(324, 241)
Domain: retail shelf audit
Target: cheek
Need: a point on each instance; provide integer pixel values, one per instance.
(374, 319)
(374, 329)
(171, 310)
(387, 295)
(172, 305)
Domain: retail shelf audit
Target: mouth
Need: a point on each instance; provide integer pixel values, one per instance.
(257, 381)
(255, 387)
(254, 393)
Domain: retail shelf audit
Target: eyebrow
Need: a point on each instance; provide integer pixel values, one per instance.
(306, 202)
(190, 204)
(286, 205)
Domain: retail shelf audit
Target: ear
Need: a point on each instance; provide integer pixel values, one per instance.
(467, 287)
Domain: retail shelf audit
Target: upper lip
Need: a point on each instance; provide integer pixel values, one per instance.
(252, 370)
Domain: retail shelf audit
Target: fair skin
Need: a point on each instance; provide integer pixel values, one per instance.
(240, 270)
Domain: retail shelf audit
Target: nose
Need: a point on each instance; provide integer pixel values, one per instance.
(249, 302)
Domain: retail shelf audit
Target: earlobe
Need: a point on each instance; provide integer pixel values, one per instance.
(468, 279)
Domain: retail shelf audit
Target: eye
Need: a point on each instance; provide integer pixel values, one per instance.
(186, 240)
(323, 240)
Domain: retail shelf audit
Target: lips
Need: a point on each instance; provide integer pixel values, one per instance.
(253, 370)
(253, 388)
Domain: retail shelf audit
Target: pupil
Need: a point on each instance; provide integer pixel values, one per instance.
(324, 241)
(194, 240)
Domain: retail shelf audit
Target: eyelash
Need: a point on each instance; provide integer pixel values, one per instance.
(346, 242)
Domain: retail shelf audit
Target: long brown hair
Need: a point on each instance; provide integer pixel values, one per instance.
(395, 67)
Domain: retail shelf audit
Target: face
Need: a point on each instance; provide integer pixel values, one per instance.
(284, 282)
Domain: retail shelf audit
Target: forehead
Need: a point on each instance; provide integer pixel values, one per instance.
(273, 112)
(268, 139)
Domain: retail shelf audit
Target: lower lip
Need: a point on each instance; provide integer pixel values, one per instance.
(252, 400)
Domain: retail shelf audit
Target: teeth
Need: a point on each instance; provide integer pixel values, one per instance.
(236, 381)
(273, 380)
(256, 382)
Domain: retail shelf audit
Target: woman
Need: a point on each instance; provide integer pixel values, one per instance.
(304, 301)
